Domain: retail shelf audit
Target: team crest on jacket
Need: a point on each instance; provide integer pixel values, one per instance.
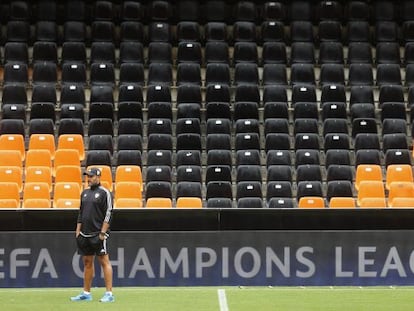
(96, 195)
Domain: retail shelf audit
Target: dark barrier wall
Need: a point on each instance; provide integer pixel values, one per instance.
(45, 259)
(216, 219)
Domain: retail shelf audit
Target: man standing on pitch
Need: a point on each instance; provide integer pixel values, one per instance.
(92, 231)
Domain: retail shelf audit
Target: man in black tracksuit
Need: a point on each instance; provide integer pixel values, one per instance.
(92, 231)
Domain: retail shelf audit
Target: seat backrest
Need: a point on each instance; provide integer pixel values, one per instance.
(311, 202)
(342, 202)
(400, 189)
(43, 141)
(11, 158)
(370, 189)
(402, 203)
(13, 142)
(36, 194)
(128, 173)
(189, 202)
(128, 203)
(398, 172)
(9, 194)
(155, 202)
(128, 189)
(42, 174)
(367, 172)
(12, 174)
(69, 173)
(66, 157)
(66, 194)
(37, 203)
(373, 202)
(38, 157)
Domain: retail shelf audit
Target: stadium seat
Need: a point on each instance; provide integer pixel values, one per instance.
(66, 195)
(13, 142)
(72, 141)
(43, 141)
(41, 174)
(400, 189)
(373, 202)
(158, 203)
(402, 203)
(370, 189)
(367, 172)
(189, 202)
(398, 173)
(311, 202)
(36, 195)
(126, 173)
(342, 202)
(11, 158)
(128, 194)
(69, 173)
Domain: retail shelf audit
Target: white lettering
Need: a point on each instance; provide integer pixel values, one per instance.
(119, 263)
(15, 263)
(393, 262)
(272, 258)
(44, 260)
(225, 262)
(300, 256)
(182, 260)
(200, 263)
(142, 262)
(363, 262)
(76, 265)
(2, 263)
(411, 261)
(256, 262)
(339, 273)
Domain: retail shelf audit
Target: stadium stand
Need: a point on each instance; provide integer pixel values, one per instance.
(301, 85)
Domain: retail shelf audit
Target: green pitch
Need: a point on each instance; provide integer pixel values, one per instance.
(213, 298)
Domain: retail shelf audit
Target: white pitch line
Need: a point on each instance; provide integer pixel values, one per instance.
(222, 300)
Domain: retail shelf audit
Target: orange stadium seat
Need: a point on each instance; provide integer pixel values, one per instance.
(398, 172)
(400, 189)
(43, 141)
(72, 141)
(12, 174)
(311, 202)
(156, 202)
(342, 202)
(38, 157)
(373, 202)
(128, 194)
(128, 173)
(370, 189)
(69, 173)
(66, 195)
(37, 203)
(367, 172)
(37, 174)
(9, 195)
(36, 195)
(65, 157)
(402, 203)
(13, 142)
(189, 202)
(11, 158)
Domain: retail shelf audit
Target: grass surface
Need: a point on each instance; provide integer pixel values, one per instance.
(206, 299)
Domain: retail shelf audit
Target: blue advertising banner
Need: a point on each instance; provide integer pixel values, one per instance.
(49, 259)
